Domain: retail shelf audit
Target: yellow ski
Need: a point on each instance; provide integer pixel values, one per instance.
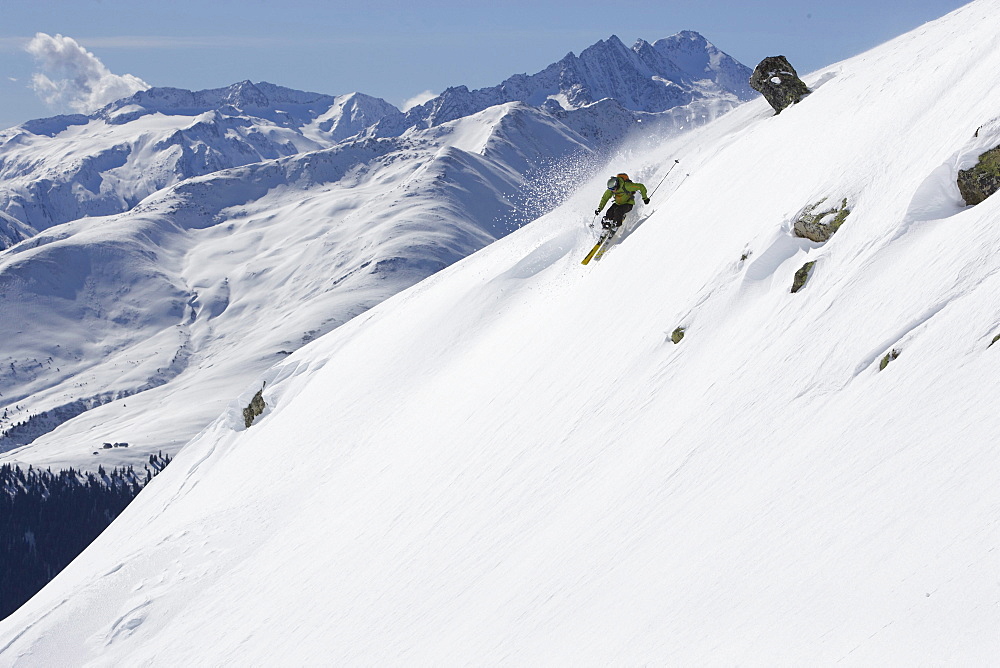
(593, 250)
(604, 247)
(597, 251)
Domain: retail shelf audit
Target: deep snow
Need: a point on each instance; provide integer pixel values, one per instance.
(510, 463)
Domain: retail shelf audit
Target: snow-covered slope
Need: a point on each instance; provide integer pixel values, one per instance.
(59, 169)
(510, 463)
(140, 327)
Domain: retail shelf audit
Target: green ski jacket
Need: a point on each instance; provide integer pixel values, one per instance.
(625, 194)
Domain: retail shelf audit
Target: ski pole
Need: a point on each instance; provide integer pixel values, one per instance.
(676, 162)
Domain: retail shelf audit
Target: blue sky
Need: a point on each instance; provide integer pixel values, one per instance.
(397, 50)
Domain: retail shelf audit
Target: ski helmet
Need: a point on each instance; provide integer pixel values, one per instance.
(613, 183)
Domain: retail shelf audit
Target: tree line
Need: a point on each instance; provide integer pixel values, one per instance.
(47, 518)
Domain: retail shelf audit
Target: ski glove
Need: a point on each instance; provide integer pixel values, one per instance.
(645, 200)
(597, 212)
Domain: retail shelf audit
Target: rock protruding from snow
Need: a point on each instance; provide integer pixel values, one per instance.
(889, 357)
(819, 227)
(255, 408)
(776, 79)
(982, 180)
(802, 276)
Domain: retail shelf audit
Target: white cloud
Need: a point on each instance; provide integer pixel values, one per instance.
(72, 76)
(418, 99)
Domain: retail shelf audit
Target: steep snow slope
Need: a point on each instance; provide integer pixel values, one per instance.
(55, 170)
(511, 464)
(139, 328)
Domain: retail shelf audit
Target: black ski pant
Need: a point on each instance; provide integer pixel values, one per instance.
(616, 215)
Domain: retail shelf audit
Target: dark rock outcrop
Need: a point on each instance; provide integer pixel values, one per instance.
(255, 408)
(820, 226)
(777, 81)
(889, 356)
(801, 276)
(981, 181)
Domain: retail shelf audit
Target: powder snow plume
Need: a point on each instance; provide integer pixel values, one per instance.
(72, 76)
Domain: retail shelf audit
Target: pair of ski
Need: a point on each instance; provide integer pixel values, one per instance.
(603, 242)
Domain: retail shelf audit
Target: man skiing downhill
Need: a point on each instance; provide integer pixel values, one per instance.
(623, 191)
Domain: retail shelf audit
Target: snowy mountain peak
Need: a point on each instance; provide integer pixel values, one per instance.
(647, 78)
(605, 47)
(245, 95)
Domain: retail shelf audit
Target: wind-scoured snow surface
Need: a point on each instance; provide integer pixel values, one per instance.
(510, 463)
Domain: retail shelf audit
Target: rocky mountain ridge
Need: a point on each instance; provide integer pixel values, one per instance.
(651, 78)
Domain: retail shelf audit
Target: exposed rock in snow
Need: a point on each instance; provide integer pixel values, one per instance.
(979, 182)
(820, 226)
(254, 408)
(889, 357)
(802, 276)
(776, 79)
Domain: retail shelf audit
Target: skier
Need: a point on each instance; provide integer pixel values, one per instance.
(624, 191)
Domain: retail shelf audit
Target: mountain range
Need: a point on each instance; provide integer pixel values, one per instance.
(144, 236)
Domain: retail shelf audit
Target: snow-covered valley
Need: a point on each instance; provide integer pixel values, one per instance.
(511, 462)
